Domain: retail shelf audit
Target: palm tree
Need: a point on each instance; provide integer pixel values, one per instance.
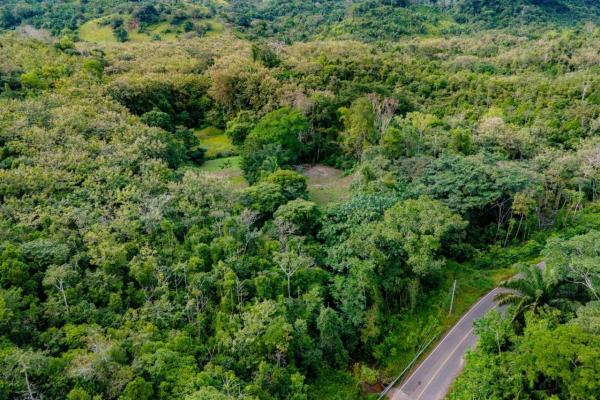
(532, 289)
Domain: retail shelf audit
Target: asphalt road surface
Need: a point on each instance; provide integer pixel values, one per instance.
(432, 379)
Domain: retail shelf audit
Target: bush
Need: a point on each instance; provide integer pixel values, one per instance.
(264, 197)
(293, 184)
(303, 214)
(276, 135)
(157, 119)
(182, 97)
(239, 127)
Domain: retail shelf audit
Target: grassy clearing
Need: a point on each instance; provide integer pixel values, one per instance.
(216, 142)
(326, 184)
(92, 31)
(227, 169)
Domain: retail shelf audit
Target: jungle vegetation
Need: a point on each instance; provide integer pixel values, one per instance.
(162, 235)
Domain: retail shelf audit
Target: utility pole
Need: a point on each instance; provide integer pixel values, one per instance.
(452, 298)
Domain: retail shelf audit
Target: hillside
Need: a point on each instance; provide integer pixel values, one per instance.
(306, 20)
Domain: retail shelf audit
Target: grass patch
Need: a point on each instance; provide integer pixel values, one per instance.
(92, 31)
(227, 169)
(137, 36)
(326, 184)
(222, 164)
(164, 30)
(215, 27)
(216, 142)
(408, 331)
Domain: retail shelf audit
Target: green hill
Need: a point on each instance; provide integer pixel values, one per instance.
(299, 20)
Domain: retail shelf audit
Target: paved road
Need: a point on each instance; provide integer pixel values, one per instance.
(434, 376)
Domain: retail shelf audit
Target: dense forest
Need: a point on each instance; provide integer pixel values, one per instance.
(272, 200)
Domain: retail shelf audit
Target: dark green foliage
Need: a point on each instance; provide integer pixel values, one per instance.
(127, 272)
(531, 291)
(276, 139)
(146, 14)
(182, 97)
(120, 34)
(389, 20)
(292, 183)
(240, 127)
(157, 119)
(302, 214)
(265, 55)
(264, 198)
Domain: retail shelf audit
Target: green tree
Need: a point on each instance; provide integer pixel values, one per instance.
(240, 127)
(264, 197)
(137, 389)
(293, 184)
(330, 329)
(157, 119)
(359, 127)
(533, 289)
(421, 227)
(577, 259)
(302, 214)
(78, 394)
(120, 34)
(278, 134)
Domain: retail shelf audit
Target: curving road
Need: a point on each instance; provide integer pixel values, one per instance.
(432, 379)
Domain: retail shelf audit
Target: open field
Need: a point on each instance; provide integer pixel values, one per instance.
(216, 142)
(227, 169)
(326, 184)
(93, 31)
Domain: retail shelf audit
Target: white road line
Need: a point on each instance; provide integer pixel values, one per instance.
(437, 371)
(449, 333)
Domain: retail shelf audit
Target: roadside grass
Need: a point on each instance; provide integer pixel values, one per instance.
(333, 384)
(409, 331)
(216, 142)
